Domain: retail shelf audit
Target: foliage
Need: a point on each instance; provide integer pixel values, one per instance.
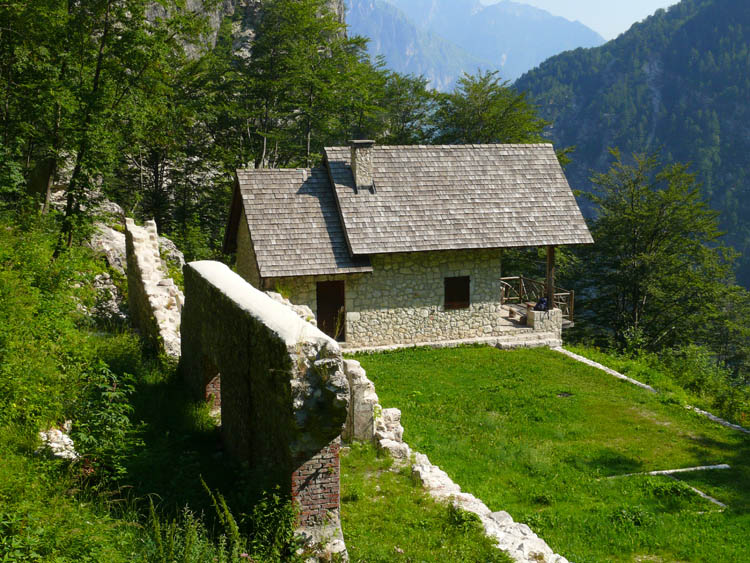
(186, 539)
(657, 272)
(138, 435)
(411, 526)
(677, 82)
(130, 99)
(103, 433)
(484, 110)
(536, 434)
(43, 353)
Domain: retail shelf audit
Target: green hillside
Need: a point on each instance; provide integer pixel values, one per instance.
(679, 82)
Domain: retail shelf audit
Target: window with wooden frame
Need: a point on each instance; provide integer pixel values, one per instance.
(457, 292)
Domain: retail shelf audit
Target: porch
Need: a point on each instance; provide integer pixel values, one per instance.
(518, 291)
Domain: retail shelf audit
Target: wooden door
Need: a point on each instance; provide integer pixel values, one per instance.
(332, 309)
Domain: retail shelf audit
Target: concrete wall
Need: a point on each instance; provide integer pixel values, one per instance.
(401, 301)
(284, 395)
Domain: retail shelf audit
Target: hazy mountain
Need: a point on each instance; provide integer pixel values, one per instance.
(507, 36)
(678, 81)
(408, 49)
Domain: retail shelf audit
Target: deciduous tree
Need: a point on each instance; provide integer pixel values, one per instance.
(658, 271)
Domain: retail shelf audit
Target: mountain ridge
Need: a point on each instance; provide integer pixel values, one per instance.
(457, 36)
(677, 82)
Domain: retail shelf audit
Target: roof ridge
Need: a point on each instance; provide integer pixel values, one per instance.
(453, 146)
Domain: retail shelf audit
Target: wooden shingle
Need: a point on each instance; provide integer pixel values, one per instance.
(313, 222)
(457, 197)
(294, 224)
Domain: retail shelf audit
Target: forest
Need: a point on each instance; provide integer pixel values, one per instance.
(116, 98)
(677, 83)
(134, 101)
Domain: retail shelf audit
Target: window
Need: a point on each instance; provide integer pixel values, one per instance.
(457, 293)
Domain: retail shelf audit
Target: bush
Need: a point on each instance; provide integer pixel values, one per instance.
(103, 433)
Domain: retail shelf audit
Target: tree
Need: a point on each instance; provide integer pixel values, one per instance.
(408, 109)
(302, 69)
(658, 272)
(482, 109)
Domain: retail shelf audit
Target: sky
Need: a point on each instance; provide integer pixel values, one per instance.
(607, 17)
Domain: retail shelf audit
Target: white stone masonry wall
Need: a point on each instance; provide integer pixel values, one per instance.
(402, 300)
(155, 301)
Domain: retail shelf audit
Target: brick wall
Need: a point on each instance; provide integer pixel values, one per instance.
(213, 392)
(315, 485)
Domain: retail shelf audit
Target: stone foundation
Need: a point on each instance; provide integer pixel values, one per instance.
(155, 302)
(284, 396)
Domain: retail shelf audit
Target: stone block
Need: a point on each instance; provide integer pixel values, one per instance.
(363, 404)
(151, 293)
(545, 321)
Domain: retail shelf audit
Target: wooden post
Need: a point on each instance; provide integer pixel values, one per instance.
(550, 277)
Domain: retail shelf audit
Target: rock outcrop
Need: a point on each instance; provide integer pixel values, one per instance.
(58, 442)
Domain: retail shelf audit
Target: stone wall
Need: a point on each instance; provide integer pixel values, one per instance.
(284, 396)
(401, 301)
(545, 321)
(154, 301)
(247, 266)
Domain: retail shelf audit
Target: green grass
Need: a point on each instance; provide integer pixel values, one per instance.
(43, 519)
(387, 517)
(687, 375)
(143, 442)
(536, 433)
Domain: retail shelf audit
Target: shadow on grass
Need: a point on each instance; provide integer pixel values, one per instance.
(181, 446)
(608, 462)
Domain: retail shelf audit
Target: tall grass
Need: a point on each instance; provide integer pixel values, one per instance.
(151, 483)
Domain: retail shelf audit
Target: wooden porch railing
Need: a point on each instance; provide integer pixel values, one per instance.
(518, 289)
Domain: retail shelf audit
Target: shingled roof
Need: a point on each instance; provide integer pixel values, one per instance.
(294, 223)
(457, 197)
(314, 222)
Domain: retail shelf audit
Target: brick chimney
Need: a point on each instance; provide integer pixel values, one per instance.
(362, 165)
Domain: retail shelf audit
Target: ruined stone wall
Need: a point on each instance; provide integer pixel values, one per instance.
(155, 302)
(402, 300)
(284, 395)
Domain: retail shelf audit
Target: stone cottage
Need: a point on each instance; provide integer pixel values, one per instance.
(401, 244)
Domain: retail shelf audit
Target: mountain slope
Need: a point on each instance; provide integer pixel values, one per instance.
(442, 39)
(514, 37)
(409, 50)
(678, 81)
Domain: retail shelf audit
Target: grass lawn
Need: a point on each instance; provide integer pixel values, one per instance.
(387, 517)
(536, 433)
